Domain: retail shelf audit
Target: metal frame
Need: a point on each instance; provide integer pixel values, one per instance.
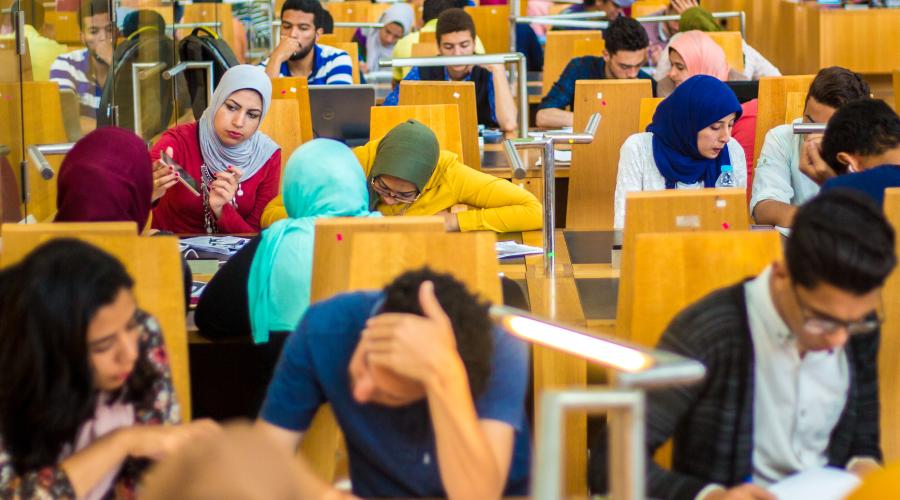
(182, 66)
(809, 128)
(141, 71)
(39, 153)
(546, 145)
(627, 452)
(511, 57)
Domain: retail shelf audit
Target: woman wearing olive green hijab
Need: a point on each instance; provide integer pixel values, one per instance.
(408, 174)
(321, 179)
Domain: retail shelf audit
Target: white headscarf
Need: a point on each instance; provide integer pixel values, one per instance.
(400, 13)
(253, 153)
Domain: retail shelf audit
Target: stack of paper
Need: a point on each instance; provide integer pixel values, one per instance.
(223, 245)
(510, 249)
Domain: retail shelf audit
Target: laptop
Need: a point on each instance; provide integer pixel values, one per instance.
(342, 112)
(745, 90)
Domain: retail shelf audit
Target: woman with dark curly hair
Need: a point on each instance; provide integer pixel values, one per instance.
(86, 396)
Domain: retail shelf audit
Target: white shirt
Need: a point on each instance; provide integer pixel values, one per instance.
(796, 401)
(638, 171)
(777, 175)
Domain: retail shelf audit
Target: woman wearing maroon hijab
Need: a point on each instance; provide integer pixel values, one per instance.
(106, 177)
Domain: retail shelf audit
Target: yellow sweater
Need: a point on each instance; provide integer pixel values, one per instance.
(495, 204)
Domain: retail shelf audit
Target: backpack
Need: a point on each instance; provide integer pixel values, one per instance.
(203, 45)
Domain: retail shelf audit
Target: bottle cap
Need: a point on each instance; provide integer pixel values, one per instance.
(726, 168)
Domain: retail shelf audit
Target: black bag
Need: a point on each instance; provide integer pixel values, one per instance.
(203, 45)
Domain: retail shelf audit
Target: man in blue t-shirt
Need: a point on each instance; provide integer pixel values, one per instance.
(624, 54)
(860, 150)
(429, 395)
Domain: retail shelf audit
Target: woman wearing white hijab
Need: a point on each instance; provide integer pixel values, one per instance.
(398, 20)
(236, 167)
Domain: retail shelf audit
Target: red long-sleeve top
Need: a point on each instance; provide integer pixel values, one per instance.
(179, 211)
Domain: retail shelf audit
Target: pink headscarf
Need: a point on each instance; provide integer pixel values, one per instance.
(701, 54)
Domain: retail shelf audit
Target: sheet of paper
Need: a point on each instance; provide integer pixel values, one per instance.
(225, 245)
(560, 156)
(510, 249)
(824, 483)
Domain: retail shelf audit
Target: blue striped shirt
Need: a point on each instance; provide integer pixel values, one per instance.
(331, 66)
(71, 71)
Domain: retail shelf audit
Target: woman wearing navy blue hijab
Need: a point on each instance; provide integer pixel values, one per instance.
(685, 146)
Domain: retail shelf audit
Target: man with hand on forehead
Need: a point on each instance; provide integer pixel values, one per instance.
(429, 395)
(298, 54)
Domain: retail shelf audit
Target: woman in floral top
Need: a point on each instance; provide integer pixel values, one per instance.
(86, 395)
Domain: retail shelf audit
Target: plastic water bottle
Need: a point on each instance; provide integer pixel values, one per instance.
(726, 178)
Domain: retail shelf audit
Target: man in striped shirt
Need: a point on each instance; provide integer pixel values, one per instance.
(298, 54)
(84, 71)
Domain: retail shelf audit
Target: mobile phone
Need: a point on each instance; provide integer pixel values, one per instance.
(185, 178)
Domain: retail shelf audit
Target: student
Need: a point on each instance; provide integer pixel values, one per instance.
(860, 150)
(84, 71)
(378, 43)
(298, 54)
(755, 65)
(429, 394)
(408, 174)
(686, 145)
(86, 394)
(623, 56)
(431, 10)
(236, 167)
(99, 183)
(694, 53)
(791, 365)
(778, 185)
(265, 286)
(455, 35)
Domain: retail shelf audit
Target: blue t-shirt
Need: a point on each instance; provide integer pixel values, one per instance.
(562, 93)
(872, 182)
(393, 98)
(392, 450)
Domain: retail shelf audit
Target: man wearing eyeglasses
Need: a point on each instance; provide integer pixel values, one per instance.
(791, 380)
(84, 71)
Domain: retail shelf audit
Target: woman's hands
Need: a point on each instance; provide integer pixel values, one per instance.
(164, 176)
(157, 441)
(223, 188)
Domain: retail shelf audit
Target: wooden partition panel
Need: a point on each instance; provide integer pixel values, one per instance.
(558, 52)
(155, 265)
(773, 92)
(282, 124)
(733, 45)
(212, 12)
(889, 350)
(592, 177)
(334, 237)
(640, 9)
(671, 211)
(428, 37)
(648, 108)
(424, 49)
(462, 94)
(354, 11)
(794, 104)
(492, 26)
(896, 85)
(443, 119)
(296, 87)
(674, 270)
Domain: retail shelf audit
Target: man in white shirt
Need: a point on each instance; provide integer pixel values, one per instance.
(791, 360)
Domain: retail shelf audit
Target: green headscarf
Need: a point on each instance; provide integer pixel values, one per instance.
(698, 19)
(321, 179)
(410, 152)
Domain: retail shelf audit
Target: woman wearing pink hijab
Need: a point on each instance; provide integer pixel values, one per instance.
(695, 53)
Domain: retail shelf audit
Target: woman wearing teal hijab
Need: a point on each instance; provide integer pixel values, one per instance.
(321, 179)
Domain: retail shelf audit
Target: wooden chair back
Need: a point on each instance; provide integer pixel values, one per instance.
(442, 119)
(296, 87)
(282, 124)
(10, 195)
(558, 52)
(334, 238)
(354, 11)
(424, 49)
(733, 45)
(794, 105)
(154, 264)
(9, 63)
(889, 349)
(773, 92)
(352, 49)
(672, 211)
(461, 94)
(65, 25)
(648, 108)
(328, 39)
(212, 12)
(641, 9)
(492, 26)
(592, 177)
(428, 37)
(43, 125)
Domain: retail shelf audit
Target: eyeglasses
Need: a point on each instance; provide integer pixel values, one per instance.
(815, 324)
(385, 192)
